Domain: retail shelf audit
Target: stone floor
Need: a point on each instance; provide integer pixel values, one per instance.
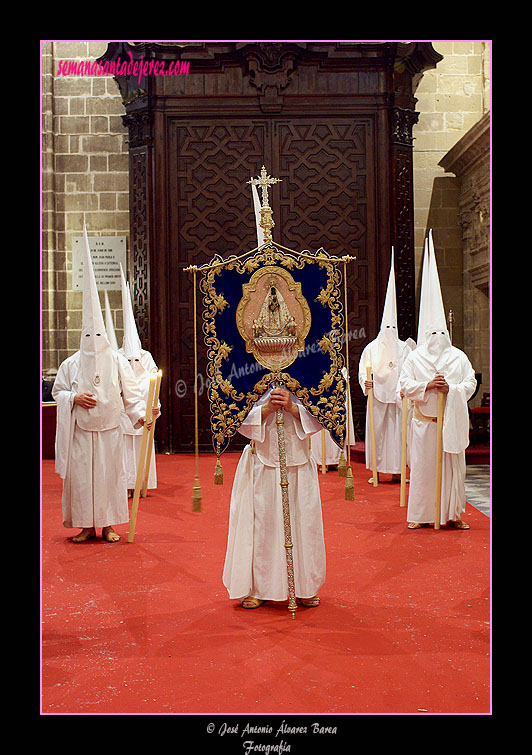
(477, 486)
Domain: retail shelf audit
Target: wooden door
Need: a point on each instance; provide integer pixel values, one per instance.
(326, 199)
(211, 212)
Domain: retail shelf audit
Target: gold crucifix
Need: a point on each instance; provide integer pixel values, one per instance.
(266, 220)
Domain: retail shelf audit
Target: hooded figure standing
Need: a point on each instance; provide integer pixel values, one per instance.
(255, 561)
(143, 366)
(92, 388)
(436, 366)
(386, 355)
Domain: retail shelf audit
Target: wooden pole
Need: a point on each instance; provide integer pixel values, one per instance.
(439, 459)
(279, 420)
(375, 474)
(403, 452)
(349, 488)
(323, 464)
(152, 432)
(196, 493)
(142, 460)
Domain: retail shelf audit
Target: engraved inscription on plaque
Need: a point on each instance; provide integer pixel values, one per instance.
(107, 252)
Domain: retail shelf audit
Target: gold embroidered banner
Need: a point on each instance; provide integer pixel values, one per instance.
(274, 315)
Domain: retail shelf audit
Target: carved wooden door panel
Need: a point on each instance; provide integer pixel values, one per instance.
(210, 210)
(326, 198)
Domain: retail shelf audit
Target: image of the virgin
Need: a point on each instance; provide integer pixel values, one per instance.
(274, 316)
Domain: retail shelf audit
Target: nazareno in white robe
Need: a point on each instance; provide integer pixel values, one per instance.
(133, 436)
(387, 409)
(91, 462)
(417, 371)
(255, 562)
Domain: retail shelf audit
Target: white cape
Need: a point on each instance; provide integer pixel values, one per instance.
(387, 414)
(91, 462)
(459, 374)
(132, 435)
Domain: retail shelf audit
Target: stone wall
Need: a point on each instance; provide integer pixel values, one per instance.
(84, 174)
(452, 98)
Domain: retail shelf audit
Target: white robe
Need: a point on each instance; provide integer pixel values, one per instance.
(387, 414)
(416, 373)
(255, 562)
(91, 462)
(132, 436)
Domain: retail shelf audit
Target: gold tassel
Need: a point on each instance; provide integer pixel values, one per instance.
(342, 466)
(196, 496)
(349, 486)
(218, 473)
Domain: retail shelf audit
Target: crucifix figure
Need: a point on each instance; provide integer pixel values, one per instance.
(266, 220)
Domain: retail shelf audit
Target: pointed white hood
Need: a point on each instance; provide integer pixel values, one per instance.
(389, 313)
(97, 364)
(131, 346)
(436, 356)
(109, 325)
(423, 297)
(385, 352)
(433, 335)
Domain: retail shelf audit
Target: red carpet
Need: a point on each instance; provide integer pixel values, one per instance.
(147, 627)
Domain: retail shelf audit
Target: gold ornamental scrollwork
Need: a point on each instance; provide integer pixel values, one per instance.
(273, 318)
(229, 406)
